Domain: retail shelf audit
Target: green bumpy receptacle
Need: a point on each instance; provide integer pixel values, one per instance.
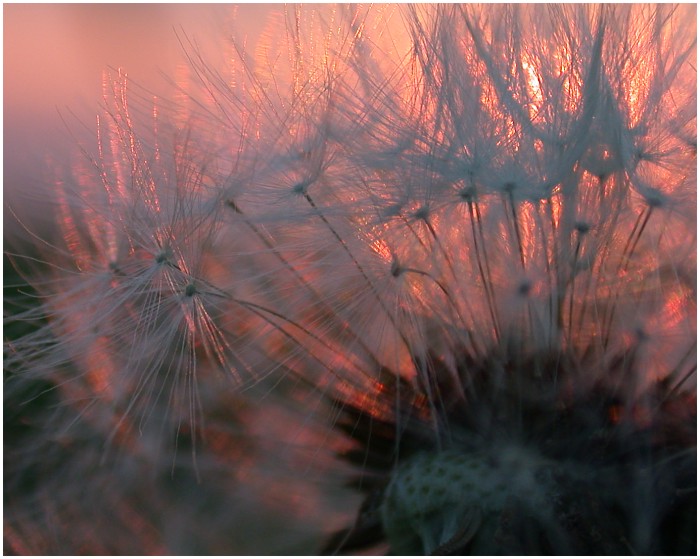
(438, 502)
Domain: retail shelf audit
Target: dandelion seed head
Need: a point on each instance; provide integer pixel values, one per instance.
(190, 290)
(444, 259)
(300, 188)
(163, 257)
(468, 193)
(582, 227)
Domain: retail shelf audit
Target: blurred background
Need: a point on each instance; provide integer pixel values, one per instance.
(54, 59)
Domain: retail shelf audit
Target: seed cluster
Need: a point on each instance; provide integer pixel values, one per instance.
(445, 252)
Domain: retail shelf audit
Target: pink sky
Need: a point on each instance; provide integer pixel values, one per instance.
(54, 56)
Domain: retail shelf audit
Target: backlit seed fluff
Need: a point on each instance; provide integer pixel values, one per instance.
(405, 279)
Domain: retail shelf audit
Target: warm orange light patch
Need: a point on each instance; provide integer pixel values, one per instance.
(571, 82)
(381, 247)
(100, 369)
(534, 88)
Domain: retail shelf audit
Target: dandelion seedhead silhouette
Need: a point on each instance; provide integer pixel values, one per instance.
(441, 258)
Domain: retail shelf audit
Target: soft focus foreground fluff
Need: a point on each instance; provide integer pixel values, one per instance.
(443, 258)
